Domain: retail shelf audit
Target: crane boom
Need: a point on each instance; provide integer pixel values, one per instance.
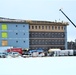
(67, 18)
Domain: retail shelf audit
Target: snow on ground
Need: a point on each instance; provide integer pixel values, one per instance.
(38, 66)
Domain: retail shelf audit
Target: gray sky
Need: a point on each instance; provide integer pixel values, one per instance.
(47, 10)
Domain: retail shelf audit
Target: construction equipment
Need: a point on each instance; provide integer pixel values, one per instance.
(67, 18)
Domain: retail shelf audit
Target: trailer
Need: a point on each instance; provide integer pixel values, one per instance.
(19, 50)
(64, 53)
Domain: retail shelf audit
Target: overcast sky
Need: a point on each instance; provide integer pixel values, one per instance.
(47, 10)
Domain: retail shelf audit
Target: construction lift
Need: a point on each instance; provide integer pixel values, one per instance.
(67, 18)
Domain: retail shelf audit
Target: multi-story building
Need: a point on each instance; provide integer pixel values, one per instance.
(47, 34)
(14, 33)
(31, 34)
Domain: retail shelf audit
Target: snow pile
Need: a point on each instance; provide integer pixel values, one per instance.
(38, 66)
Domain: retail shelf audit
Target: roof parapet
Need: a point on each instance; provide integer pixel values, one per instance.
(30, 21)
(10, 20)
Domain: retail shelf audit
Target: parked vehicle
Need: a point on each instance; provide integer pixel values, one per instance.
(36, 53)
(13, 54)
(19, 50)
(52, 52)
(64, 53)
(74, 52)
(3, 54)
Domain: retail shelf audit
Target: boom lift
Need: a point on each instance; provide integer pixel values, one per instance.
(67, 18)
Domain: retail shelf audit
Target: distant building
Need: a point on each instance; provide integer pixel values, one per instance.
(71, 45)
(47, 34)
(14, 33)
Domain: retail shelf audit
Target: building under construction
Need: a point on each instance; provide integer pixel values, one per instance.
(47, 34)
(31, 34)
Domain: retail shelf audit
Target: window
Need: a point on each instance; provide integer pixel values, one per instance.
(16, 41)
(42, 27)
(35, 34)
(4, 35)
(16, 25)
(39, 27)
(23, 25)
(35, 27)
(24, 33)
(16, 33)
(4, 42)
(4, 27)
(52, 27)
(58, 27)
(39, 42)
(24, 41)
(32, 27)
(55, 27)
(62, 28)
(36, 42)
(32, 35)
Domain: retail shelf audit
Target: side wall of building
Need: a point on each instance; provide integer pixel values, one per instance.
(14, 34)
(66, 37)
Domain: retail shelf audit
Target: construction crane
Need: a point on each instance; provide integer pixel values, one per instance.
(67, 18)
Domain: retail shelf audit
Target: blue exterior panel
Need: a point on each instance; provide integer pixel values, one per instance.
(18, 34)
